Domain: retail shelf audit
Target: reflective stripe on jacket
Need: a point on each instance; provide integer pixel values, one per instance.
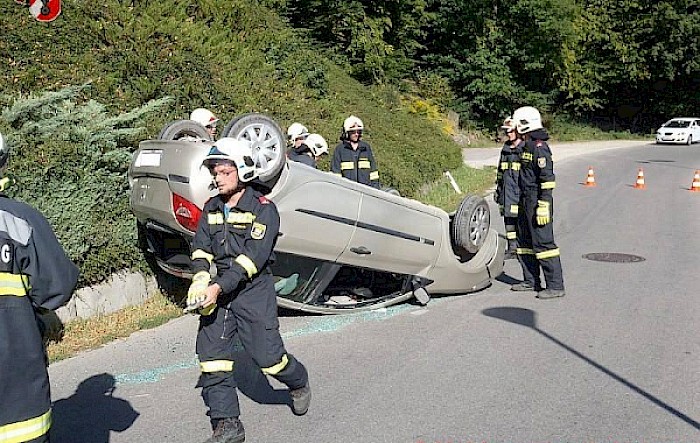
(240, 243)
(34, 273)
(537, 169)
(355, 164)
(507, 187)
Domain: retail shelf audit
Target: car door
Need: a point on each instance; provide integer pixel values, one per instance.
(317, 214)
(696, 131)
(394, 234)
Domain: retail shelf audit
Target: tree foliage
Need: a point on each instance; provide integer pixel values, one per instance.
(625, 60)
(379, 39)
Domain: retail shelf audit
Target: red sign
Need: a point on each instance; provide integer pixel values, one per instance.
(45, 10)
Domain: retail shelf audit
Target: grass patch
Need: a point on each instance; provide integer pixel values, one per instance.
(571, 132)
(82, 335)
(470, 181)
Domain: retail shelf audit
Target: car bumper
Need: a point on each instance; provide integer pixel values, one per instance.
(451, 275)
(672, 139)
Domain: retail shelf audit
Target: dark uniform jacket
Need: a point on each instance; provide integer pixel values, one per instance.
(537, 170)
(357, 165)
(302, 154)
(34, 273)
(240, 244)
(507, 186)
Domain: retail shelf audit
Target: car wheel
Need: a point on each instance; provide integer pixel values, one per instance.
(390, 190)
(470, 224)
(689, 141)
(178, 129)
(267, 141)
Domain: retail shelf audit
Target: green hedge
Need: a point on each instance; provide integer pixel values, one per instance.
(232, 57)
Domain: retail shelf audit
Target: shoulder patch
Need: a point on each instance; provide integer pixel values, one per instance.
(258, 231)
(542, 162)
(263, 200)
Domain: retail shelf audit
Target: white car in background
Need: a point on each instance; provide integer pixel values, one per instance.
(684, 130)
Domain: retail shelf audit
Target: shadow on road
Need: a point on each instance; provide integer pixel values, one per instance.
(528, 318)
(91, 413)
(507, 279)
(254, 384)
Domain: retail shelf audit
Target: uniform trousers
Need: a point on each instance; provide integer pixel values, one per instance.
(536, 246)
(248, 322)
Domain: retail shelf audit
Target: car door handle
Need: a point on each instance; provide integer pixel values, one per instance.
(361, 250)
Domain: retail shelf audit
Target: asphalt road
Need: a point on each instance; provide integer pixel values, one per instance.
(616, 360)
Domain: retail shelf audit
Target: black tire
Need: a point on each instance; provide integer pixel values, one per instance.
(690, 140)
(267, 141)
(178, 129)
(470, 225)
(229, 125)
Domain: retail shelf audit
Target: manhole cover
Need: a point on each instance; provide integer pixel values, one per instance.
(613, 257)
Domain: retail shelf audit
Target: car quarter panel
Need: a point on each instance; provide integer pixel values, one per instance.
(151, 200)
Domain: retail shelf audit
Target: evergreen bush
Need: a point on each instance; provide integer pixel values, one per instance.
(69, 160)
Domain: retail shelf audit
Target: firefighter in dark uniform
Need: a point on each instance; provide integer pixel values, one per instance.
(507, 187)
(237, 234)
(353, 158)
(35, 276)
(536, 246)
(298, 150)
(304, 147)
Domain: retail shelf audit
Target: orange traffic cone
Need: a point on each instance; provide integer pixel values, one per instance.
(696, 181)
(640, 180)
(590, 180)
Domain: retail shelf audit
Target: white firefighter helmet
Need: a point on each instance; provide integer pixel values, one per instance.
(296, 130)
(352, 122)
(235, 151)
(527, 119)
(317, 144)
(203, 116)
(508, 124)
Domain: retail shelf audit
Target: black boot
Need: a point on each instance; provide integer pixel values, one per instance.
(228, 430)
(301, 399)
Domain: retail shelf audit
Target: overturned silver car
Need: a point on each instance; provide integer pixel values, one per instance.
(342, 246)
